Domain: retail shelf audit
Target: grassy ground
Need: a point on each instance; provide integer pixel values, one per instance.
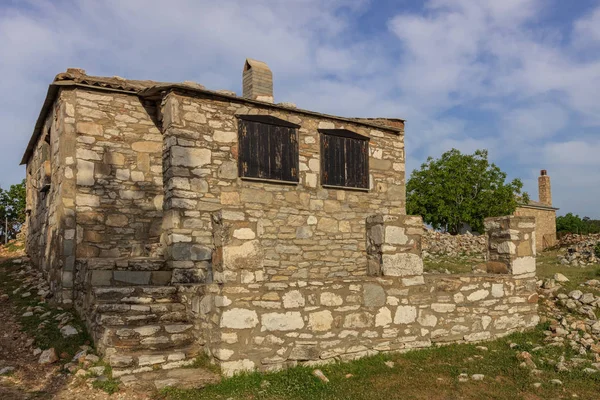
(46, 335)
(423, 374)
(454, 265)
(431, 373)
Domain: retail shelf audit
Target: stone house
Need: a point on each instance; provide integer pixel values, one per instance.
(544, 213)
(179, 220)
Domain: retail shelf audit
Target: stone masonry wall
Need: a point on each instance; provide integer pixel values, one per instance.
(545, 225)
(267, 325)
(50, 199)
(119, 175)
(273, 325)
(512, 241)
(301, 231)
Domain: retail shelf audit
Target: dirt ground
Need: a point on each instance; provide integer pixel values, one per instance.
(30, 380)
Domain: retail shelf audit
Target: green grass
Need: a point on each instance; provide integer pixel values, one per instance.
(548, 265)
(430, 373)
(14, 246)
(424, 374)
(47, 335)
(109, 385)
(455, 265)
(203, 361)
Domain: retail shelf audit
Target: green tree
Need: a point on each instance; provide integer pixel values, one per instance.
(12, 209)
(459, 189)
(574, 224)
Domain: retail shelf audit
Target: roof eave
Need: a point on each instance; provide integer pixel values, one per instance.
(536, 207)
(155, 91)
(39, 124)
(51, 96)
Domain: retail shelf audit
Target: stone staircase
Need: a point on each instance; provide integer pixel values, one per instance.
(141, 328)
(139, 323)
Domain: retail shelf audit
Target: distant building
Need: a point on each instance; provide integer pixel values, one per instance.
(544, 213)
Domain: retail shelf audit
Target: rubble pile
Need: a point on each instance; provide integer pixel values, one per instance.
(579, 250)
(572, 322)
(437, 244)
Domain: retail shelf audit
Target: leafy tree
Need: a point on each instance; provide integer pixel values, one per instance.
(574, 224)
(12, 209)
(461, 188)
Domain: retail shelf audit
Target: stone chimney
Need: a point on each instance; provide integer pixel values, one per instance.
(544, 188)
(257, 81)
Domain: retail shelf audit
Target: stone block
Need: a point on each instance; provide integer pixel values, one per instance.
(184, 276)
(288, 321)
(85, 173)
(200, 253)
(100, 278)
(405, 315)
(402, 264)
(320, 321)
(293, 299)
(395, 235)
(239, 318)
(523, 265)
(147, 147)
(190, 156)
(132, 277)
(373, 295)
(160, 277)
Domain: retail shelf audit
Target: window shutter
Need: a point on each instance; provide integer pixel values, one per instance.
(344, 159)
(267, 151)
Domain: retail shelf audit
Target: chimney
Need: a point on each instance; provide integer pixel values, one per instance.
(544, 188)
(257, 81)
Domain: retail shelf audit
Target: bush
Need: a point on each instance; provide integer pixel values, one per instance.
(597, 249)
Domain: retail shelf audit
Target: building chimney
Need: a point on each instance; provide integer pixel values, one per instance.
(257, 81)
(544, 188)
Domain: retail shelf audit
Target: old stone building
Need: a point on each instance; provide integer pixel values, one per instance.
(544, 213)
(180, 220)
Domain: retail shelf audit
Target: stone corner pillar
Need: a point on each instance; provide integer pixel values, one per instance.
(394, 245)
(238, 253)
(511, 241)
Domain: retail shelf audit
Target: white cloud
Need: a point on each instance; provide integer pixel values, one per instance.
(465, 74)
(534, 122)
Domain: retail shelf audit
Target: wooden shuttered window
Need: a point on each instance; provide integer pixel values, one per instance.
(344, 159)
(268, 148)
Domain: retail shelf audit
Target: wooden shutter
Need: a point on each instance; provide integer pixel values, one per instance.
(344, 159)
(267, 151)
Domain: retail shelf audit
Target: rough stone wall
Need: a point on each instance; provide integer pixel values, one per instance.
(119, 175)
(445, 244)
(298, 231)
(512, 241)
(545, 226)
(50, 199)
(261, 324)
(273, 325)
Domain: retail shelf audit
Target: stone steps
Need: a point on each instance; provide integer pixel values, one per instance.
(121, 314)
(136, 362)
(183, 378)
(135, 294)
(148, 337)
(143, 330)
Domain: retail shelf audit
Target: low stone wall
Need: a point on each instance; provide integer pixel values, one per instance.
(251, 323)
(436, 244)
(275, 325)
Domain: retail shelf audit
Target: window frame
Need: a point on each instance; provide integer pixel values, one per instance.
(346, 134)
(276, 122)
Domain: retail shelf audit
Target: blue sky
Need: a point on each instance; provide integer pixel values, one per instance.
(520, 78)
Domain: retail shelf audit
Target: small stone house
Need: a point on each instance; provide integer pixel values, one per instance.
(544, 213)
(180, 220)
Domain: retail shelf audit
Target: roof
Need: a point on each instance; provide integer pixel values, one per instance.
(74, 77)
(539, 206)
